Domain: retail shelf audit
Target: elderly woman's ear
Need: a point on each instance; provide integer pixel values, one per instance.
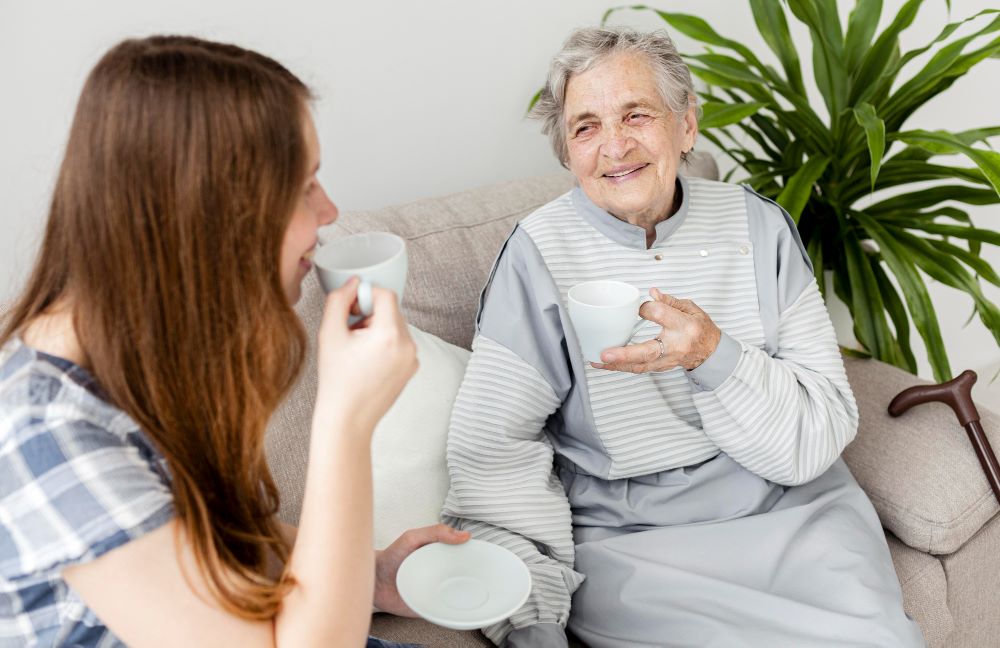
(691, 126)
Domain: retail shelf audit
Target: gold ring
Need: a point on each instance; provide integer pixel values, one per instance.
(663, 350)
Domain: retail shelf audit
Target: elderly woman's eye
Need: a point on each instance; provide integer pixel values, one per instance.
(637, 117)
(582, 129)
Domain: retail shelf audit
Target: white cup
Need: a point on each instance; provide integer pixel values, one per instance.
(605, 314)
(377, 258)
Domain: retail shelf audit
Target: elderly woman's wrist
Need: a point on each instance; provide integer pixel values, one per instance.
(718, 366)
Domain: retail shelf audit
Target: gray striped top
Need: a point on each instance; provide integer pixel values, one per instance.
(774, 396)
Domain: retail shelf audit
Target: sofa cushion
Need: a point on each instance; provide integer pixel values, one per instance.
(925, 591)
(919, 469)
(410, 478)
(409, 471)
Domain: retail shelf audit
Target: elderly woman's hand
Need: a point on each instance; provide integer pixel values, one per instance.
(387, 562)
(689, 336)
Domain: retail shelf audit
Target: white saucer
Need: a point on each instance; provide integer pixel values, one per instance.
(464, 586)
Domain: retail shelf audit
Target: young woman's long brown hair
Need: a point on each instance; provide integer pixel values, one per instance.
(183, 166)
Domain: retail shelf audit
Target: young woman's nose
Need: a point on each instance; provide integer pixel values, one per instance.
(326, 210)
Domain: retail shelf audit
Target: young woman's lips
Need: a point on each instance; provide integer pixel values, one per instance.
(306, 260)
(624, 174)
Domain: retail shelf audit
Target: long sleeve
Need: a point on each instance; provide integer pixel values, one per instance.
(787, 417)
(500, 460)
(785, 412)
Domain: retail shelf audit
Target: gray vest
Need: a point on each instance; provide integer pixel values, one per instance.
(648, 423)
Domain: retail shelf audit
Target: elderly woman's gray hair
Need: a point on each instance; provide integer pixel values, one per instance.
(588, 46)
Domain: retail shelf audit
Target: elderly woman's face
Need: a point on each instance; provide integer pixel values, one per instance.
(623, 142)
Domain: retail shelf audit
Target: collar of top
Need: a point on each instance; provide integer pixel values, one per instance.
(627, 234)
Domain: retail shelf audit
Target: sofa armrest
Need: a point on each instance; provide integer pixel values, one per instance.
(919, 470)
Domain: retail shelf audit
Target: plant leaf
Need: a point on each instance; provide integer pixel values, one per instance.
(954, 231)
(755, 89)
(772, 129)
(828, 51)
(950, 272)
(937, 76)
(815, 135)
(971, 259)
(717, 114)
(882, 55)
(748, 127)
(711, 137)
(800, 186)
(987, 161)
(897, 312)
(534, 100)
(906, 172)
(948, 55)
(729, 67)
(861, 27)
(975, 135)
(924, 198)
(945, 33)
(700, 30)
(772, 25)
(980, 266)
(918, 301)
(875, 133)
(867, 308)
(854, 353)
(923, 218)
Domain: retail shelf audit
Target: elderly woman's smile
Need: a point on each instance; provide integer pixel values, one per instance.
(624, 173)
(623, 143)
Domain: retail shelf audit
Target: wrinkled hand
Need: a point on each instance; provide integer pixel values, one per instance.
(689, 336)
(387, 563)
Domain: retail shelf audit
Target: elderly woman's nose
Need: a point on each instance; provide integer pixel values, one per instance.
(619, 142)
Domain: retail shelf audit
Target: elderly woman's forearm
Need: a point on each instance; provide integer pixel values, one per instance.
(788, 417)
(502, 487)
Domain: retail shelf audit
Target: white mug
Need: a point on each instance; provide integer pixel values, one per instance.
(605, 314)
(377, 258)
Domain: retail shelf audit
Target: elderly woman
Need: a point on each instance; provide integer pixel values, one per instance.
(687, 491)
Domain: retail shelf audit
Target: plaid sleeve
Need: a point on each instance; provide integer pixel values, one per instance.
(72, 490)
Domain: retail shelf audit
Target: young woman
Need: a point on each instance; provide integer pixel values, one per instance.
(139, 368)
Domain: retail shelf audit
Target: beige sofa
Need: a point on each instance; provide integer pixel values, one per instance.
(919, 470)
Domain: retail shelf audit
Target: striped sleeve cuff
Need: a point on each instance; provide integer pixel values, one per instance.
(718, 367)
(541, 635)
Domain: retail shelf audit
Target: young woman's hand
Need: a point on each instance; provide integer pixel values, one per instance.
(362, 369)
(387, 562)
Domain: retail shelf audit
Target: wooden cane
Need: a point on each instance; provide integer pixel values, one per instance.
(957, 394)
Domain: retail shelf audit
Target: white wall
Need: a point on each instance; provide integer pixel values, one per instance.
(416, 98)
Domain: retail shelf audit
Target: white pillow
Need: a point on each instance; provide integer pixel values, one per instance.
(408, 447)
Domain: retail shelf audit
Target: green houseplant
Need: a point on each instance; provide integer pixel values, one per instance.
(870, 197)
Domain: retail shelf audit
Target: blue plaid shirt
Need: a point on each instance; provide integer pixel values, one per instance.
(77, 479)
